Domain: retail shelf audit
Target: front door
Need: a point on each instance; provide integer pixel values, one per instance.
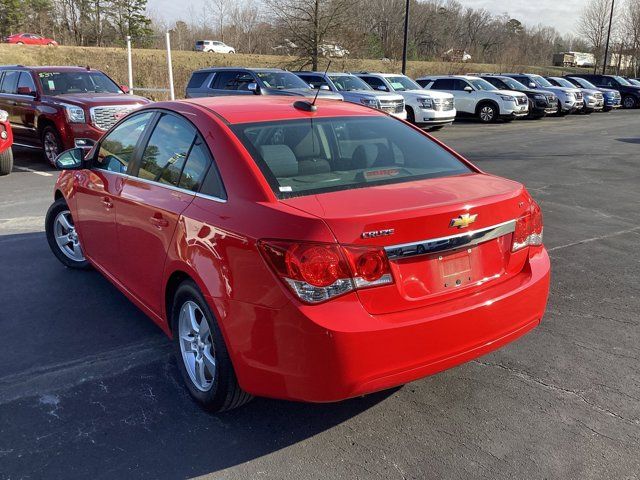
(149, 207)
(97, 191)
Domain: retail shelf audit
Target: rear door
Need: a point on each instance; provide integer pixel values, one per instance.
(98, 188)
(163, 183)
(13, 103)
(24, 108)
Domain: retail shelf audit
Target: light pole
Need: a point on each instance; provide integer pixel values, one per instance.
(406, 38)
(606, 48)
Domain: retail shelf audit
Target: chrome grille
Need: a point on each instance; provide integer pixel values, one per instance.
(392, 106)
(446, 105)
(579, 96)
(551, 99)
(106, 117)
(598, 96)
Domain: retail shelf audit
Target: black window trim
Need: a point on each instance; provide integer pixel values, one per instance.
(144, 140)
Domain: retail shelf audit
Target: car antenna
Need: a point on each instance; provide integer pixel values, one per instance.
(305, 105)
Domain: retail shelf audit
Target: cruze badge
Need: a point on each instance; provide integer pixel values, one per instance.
(378, 233)
(463, 221)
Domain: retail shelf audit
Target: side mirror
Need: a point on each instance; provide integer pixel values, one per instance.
(324, 87)
(253, 87)
(468, 89)
(532, 85)
(26, 91)
(382, 88)
(71, 159)
(124, 88)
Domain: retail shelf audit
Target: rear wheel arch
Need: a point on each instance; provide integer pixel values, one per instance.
(173, 282)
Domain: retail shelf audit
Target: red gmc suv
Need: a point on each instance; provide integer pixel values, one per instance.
(57, 108)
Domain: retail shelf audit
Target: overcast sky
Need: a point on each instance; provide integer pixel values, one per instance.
(561, 14)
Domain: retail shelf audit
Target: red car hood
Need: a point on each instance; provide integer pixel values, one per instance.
(94, 99)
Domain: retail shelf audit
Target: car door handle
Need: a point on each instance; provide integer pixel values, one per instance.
(158, 222)
(108, 204)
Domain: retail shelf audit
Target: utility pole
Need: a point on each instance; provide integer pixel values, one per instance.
(406, 38)
(606, 48)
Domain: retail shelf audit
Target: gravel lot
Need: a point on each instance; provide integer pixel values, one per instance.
(88, 388)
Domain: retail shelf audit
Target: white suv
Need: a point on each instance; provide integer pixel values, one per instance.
(213, 46)
(477, 97)
(432, 109)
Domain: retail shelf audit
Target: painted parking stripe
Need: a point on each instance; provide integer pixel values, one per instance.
(31, 170)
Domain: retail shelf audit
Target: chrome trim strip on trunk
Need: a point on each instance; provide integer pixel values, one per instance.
(453, 242)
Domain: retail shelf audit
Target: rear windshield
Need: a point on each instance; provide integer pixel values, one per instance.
(303, 157)
(60, 83)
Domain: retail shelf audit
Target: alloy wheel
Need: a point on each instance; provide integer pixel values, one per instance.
(51, 149)
(487, 113)
(66, 236)
(196, 346)
(629, 102)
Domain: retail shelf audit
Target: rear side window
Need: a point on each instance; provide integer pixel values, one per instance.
(300, 157)
(315, 81)
(197, 79)
(443, 84)
(10, 82)
(166, 152)
(176, 155)
(376, 83)
(224, 80)
(118, 147)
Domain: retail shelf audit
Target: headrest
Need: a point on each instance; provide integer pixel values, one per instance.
(280, 160)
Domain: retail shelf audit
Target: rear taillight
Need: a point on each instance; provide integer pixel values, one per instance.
(317, 272)
(529, 228)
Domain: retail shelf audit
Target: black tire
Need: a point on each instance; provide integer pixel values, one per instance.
(629, 101)
(560, 112)
(224, 392)
(51, 144)
(411, 117)
(58, 207)
(487, 113)
(6, 162)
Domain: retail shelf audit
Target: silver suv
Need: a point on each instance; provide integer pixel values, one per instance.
(570, 100)
(213, 82)
(355, 90)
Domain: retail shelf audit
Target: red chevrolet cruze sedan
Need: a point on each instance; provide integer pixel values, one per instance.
(301, 253)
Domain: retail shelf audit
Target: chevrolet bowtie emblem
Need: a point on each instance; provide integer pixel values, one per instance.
(463, 221)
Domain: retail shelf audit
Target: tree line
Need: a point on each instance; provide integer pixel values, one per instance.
(367, 28)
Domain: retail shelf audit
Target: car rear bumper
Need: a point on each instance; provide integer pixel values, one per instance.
(336, 350)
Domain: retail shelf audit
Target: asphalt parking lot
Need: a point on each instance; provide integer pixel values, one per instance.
(88, 387)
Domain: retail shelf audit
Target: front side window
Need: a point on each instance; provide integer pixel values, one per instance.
(443, 84)
(302, 157)
(376, 83)
(402, 83)
(482, 85)
(117, 148)
(348, 83)
(61, 83)
(281, 80)
(316, 81)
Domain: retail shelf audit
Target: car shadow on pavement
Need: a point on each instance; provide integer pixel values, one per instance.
(629, 140)
(89, 388)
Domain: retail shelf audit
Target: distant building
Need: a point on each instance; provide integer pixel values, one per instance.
(573, 59)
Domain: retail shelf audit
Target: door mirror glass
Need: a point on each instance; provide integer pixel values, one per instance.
(532, 85)
(324, 87)
(468, 89)
(253, 87)
(382, 88)
(71, 159)
(124, 89)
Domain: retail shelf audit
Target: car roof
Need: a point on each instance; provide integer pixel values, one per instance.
(50, 68)
(235, 109)
(439, 77)
(250, 69)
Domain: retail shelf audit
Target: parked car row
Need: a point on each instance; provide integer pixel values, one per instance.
(56, 108)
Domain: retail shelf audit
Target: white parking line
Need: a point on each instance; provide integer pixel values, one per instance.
(31, 170)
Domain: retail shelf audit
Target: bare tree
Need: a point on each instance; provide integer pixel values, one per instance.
(309, 22)
(593, 26)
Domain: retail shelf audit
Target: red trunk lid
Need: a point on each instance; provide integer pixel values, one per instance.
(422, 211)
